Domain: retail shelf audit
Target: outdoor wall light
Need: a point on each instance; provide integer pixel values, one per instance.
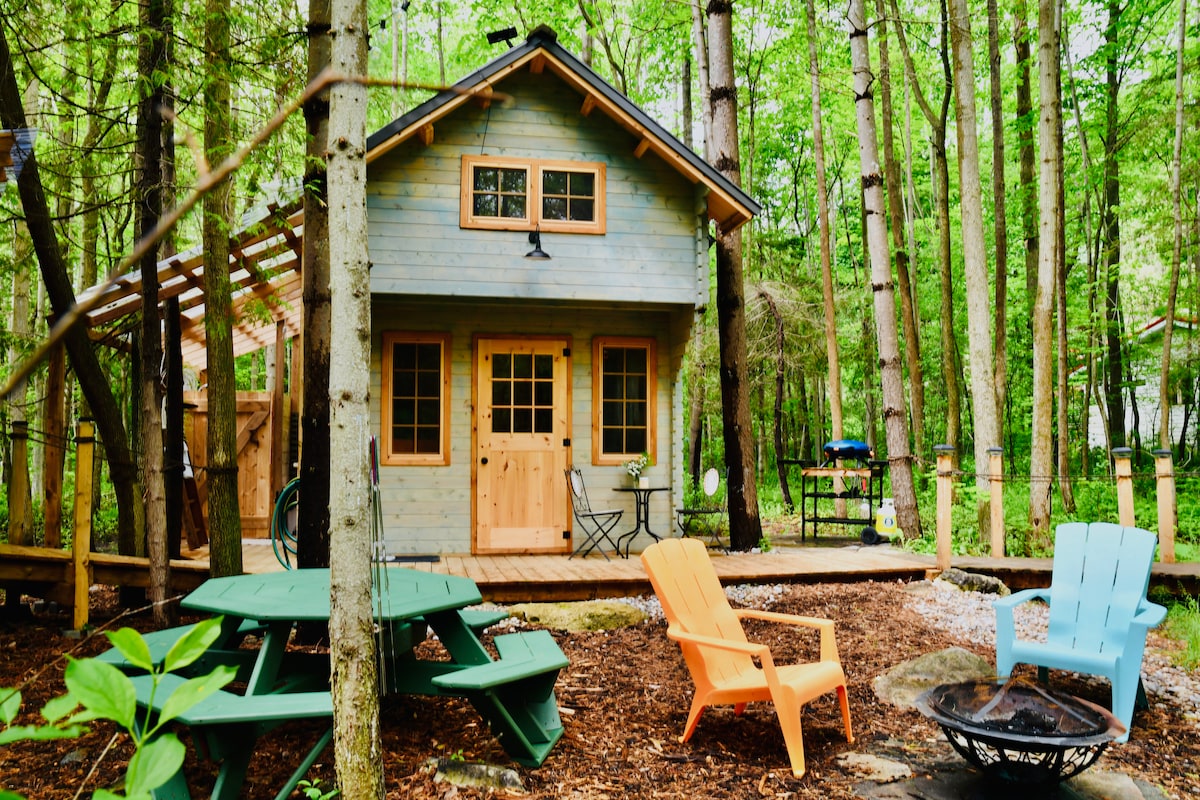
(535, 239)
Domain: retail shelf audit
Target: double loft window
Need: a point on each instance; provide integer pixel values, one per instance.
(623, 397)
(416, 398)
(519, 194)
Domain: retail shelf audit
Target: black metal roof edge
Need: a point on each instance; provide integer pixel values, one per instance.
(545, 38)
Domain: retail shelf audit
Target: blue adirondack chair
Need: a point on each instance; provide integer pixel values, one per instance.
(1099, 614)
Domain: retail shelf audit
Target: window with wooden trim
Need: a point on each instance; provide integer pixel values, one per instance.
(520, 194)
(623, 398)
(416, 398)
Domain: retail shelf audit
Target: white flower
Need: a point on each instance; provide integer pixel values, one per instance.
(634, 466)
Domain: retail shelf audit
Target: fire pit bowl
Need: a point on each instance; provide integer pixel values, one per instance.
(1019, 731)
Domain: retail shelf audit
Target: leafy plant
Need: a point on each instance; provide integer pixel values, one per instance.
(312, 790)
(1183, 624)
(98, 690)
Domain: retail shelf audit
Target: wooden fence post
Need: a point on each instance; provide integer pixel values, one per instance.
(945, 500)
(1124, 470)
(1168, 511)
(996, 468)
(81, 541)
(18, 485)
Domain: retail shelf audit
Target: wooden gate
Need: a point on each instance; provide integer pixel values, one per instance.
(256, 495)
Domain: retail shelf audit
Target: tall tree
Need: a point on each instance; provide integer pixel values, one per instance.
(313, 519)
(1164, 376)
(352, 646)
(1041, 462)
(1000, 221)
(224, 515)
(1114, 376)
(979, 297)
(152, 67)
(882, 287)
(1025, 149)
(745, 524)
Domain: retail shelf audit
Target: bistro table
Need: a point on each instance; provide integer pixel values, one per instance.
(641, 507)
(514, 693)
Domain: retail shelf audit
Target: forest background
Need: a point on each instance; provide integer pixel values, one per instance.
(1129, 197)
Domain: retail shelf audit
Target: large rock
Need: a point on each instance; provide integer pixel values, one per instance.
(588, 615)
(974, 582)
(905, 682)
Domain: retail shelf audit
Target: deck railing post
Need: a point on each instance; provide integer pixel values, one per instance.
(18, 485)
(945, 500)
(1123, 464)
(1168, 511)
(81, 541)
(996, 486)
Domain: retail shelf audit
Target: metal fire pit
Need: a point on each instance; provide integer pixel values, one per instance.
(1019, 731)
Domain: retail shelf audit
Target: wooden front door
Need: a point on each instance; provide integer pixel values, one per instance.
(522, 420)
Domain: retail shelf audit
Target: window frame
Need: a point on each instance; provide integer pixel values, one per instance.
(387, 455)
(650, 345)
(534, 169)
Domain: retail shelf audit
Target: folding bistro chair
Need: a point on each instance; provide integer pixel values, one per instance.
(594, 524)
(706, 517)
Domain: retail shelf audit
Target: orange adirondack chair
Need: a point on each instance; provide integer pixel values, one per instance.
(721, 658)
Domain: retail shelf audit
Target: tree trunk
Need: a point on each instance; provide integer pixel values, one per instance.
(152, 65)
(1025, 148)
(700, 44)
(834, 381)
(1000, 215)
(1164, 382)
(224, 515)
(313, 517)
(979, 296)
(1115, 371)
(352, 644)
(908, 314)
(1041, 464)
(745, 525)
(1063, 405)
(891, 378)
(780, 387)
(93, 382)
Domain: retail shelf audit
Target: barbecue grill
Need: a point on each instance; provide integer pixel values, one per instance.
(1019, 731)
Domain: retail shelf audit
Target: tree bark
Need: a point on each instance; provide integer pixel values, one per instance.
(1025, 150)
(1114, 362)
(93, 382)
(891, 379)
(1041, 463)
(224, 515)
(979, 296)
(1000, 216)
(1164, 381)
(313, 517)
(352, 644)
(745, 524)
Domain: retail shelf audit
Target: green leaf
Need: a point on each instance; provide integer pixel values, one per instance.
(103, 690)
(39, 733)
(10, 704)
(192, 691)
(58, 707)
(7, 795)
(154, 764)
(192, 644)
(133, 647)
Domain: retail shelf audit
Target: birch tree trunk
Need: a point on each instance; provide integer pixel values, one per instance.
(1114, 376)
(313, 518)
(834, 384)
(352, 644)
(224, 515)
(1025, 150)
(1164, 382)
(701, 48)
(745, 524)
(979, 296)
(1000, 214)
(1041, 463)
(891, 379)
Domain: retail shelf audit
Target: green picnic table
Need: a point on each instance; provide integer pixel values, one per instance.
(514, 692)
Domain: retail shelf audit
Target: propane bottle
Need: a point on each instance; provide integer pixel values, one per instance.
(885, 519)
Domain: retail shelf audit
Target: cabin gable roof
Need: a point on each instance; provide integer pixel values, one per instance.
(727, 204)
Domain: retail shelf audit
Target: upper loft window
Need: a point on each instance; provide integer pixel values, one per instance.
(519, 194)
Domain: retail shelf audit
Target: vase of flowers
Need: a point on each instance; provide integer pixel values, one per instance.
(636, 466)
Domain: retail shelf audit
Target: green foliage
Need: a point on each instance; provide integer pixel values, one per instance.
(1183, 624)
(312, 789)
(98, 690)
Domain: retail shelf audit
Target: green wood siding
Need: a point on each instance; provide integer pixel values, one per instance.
(652, 251)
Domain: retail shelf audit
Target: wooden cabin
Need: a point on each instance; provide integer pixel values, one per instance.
(494, 368)
(539, 249)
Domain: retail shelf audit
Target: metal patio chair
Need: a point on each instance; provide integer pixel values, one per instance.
(594, 524)
(707, 516)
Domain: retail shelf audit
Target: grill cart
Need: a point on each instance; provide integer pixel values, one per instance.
(848, 472)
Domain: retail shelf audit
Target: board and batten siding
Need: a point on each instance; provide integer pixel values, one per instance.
(654, 249)
(427, 509)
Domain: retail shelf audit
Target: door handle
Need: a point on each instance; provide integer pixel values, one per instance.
(483, 460)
